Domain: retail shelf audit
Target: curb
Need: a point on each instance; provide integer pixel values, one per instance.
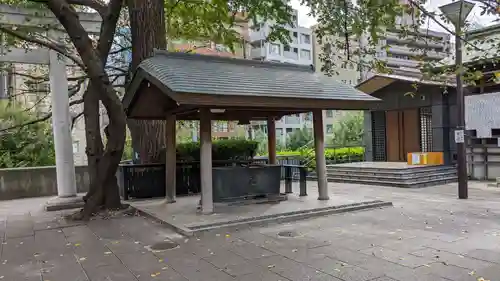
(269, 219)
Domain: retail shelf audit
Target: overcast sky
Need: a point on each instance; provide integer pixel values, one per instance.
(432, 5)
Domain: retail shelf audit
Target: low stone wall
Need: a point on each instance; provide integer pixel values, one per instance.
(36, 182)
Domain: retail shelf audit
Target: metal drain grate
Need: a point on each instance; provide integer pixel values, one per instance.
(163, 246)
(288, 234)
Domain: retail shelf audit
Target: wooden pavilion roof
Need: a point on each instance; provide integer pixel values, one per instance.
(178, 83)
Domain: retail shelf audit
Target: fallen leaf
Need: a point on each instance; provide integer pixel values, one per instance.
(336, 269)
(472, 273)
(77, 244)
(82, 259)
(271, 266)
(160, 260)
(155, 274)
(136, 242)
(107, 253)
(165, 268)
(227, 235)
(1, 277)
(460, 256)
(294, 250)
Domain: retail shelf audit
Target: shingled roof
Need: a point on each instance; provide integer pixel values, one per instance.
(179, 75)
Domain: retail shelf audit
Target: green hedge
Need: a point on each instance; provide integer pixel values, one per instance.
(330, 153)
(221, 150)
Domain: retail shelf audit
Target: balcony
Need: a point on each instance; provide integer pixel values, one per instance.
(291, 55)
(401, 62)
(417, 42)
(292, 120)
(256, 53)
(261, 34)
(403, 50)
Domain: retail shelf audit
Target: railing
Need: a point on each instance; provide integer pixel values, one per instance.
(148, 180)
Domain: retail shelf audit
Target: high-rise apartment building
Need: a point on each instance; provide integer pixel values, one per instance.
(297, 51)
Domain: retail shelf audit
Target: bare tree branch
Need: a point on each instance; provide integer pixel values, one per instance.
(123, 49)
(44, 118)
(97, 5)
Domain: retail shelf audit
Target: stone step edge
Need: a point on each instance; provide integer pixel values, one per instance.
(406, 177)
(281, 218)
(372, 182)
(277, 218)
(390, 171)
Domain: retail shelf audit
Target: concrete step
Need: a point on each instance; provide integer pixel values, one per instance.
(393, 177)
(406, 184)
(419, 170)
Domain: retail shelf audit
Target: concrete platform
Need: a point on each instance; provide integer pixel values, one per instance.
(380, 165)
(184, 217)
(396, 174)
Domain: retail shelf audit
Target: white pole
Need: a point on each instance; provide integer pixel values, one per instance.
(61, 126)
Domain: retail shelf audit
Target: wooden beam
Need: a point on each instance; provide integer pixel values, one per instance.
(43, 18)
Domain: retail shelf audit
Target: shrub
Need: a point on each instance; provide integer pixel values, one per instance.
(235, 149)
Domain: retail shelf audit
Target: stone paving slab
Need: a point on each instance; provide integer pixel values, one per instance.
(428, 236)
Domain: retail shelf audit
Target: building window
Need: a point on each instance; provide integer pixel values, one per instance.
(286, 48)
(329, 129)
(220, 126)
(76, 146)
(274, 49)
(279, 132)
(288, 131)
(305, 38)
(305, 54)
(344, 81)
(329, 113)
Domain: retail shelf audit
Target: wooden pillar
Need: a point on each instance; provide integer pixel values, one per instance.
(207, 205)
(319, 146)
(271, 140)
(171, 160)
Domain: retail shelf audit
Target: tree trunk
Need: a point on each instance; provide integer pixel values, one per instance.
(102, 164)
(147, 25)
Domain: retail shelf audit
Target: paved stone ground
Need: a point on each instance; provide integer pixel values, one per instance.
(428, 235)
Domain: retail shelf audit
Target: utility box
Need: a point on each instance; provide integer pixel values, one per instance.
(425, 158)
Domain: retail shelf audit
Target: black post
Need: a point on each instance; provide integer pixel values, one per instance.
(460, 131)
(303, 181)
(288, 179)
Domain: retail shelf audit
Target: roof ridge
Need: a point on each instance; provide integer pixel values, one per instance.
(247, 62)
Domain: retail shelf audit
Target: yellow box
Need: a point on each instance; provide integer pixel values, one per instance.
(425, 158)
